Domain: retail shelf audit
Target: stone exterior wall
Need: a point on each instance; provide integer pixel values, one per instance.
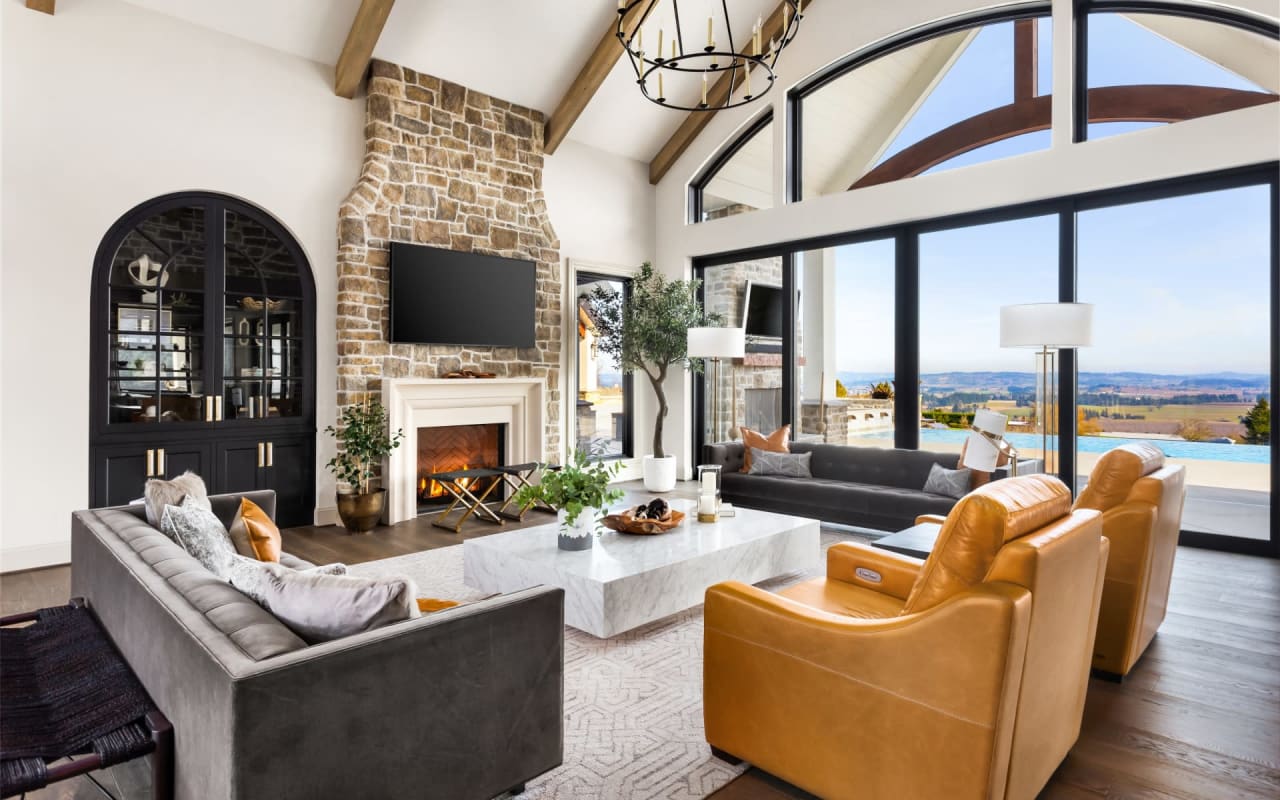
(447, 167)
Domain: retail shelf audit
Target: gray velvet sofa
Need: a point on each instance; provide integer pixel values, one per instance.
(869, 487)
(463, 703)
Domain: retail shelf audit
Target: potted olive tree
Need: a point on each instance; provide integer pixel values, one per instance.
(580, 493)
(363, 442)
(648, 330)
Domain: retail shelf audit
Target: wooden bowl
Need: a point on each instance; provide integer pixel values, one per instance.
(627, 523)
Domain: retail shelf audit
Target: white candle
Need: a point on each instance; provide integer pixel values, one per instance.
(661, 94)
(710, 42)
(709, 482)
(747, 68)
(704, 88)
(659, 42)
(707, 504)
(673, 48)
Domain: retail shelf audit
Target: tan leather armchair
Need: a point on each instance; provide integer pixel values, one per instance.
(1141, 502)
(962, 676)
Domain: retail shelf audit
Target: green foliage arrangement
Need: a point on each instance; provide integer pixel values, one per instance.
(882, 390)
(648, 330)
(364, 441)
(1257, 423)
(577, 486)
(841, 390)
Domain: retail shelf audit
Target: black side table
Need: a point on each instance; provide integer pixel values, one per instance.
(916, 541)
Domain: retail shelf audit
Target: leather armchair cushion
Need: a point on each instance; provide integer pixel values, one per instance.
(845, 599)
(978, 527)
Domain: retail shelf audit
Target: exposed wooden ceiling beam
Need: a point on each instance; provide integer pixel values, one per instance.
(585, 86)
(353, 62)
(41, 5)
(697, 120)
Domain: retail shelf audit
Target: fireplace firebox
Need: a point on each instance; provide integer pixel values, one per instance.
(454, 447)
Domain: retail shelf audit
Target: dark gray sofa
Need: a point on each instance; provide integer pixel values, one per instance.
(869, 487)
(463, 703)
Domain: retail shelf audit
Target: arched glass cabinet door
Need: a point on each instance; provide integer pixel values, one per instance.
(263, 369)
(156, 320)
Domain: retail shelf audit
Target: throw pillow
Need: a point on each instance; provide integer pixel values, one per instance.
(201, 534)
(950, 482)
(159, 493)
(321, 607)
(776, 442)
(253, 533)
(787, 465)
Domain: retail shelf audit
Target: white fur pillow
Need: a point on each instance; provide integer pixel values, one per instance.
(160, 493)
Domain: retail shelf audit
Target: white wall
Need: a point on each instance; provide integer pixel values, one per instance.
(106, 105)
(830, 31)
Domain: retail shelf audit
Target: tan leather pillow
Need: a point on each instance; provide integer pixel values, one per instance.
(254, 534)
(777, 442)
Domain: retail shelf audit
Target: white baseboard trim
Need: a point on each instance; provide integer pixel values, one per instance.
(327, 515)
(35, 556)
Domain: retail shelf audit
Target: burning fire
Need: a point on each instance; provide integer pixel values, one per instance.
(435, 490)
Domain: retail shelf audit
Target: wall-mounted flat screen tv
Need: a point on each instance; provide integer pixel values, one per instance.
(446, 297)
(762, 311)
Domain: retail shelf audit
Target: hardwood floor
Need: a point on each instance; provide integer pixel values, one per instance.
(1198, 718)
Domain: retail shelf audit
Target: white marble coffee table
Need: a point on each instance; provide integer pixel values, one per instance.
(625, 581)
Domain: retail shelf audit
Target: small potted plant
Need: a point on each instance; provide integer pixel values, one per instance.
(363, 441)
(882, 390)
(648, 330)
(581, 494)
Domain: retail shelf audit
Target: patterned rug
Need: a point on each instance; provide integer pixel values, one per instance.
(633, 703)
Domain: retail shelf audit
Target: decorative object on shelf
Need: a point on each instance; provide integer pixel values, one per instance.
(715, 344)
(882, 390)
(364, 442)
(581, 491)
(468, 373)
(647, 330)
(1047, 327)
(687, 64)
(986, 447)
(256, 305)
(144, 271)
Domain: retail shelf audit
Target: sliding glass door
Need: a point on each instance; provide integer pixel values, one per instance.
(1182, 353)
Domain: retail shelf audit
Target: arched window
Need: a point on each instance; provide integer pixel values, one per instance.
(740, 179)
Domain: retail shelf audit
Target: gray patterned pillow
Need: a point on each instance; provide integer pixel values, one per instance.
(949, 482)
(319, 606)
(787, 465)
(200, 533)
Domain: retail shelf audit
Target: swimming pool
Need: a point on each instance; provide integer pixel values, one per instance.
(1237, 453)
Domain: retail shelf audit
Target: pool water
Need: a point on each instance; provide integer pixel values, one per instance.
(1238, 453)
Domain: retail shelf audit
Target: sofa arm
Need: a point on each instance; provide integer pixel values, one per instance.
(930, 519)
(465, 703)
(881, 570)
(823, 701)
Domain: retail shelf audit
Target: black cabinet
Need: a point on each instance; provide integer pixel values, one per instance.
(203, 354)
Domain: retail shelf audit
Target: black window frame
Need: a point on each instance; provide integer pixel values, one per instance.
(699, 184)
(628, 378)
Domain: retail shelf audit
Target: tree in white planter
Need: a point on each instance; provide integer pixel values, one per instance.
(648, 330)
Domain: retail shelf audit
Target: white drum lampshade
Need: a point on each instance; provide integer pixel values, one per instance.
(1046, 325)
(717, 343)
(981, 453)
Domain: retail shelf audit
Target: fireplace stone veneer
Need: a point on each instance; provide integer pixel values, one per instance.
(413, 403)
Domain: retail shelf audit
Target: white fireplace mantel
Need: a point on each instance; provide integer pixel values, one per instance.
(414, 403)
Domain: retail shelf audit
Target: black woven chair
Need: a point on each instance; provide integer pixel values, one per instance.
(66, 692)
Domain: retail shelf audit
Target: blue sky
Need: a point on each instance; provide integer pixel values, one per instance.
(1179, 285)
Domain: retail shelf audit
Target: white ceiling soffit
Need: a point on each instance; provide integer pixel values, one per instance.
(1252, 57)
(747, 178)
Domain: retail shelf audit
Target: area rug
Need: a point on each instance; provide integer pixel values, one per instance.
(633, 703)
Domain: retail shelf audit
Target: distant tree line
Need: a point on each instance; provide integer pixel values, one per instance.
(1108, 399)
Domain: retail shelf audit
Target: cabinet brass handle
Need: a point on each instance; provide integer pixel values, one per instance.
(262, 455)
(208, 408)
(151, 463)
(271, 454)
(217, 407)
(160, 461)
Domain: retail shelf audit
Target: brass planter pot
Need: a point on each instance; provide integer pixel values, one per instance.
(360, 513)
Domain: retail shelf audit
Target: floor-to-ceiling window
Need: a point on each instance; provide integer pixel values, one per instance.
(1183, 346)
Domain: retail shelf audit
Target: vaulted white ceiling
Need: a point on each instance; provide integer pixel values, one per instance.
(524, 52)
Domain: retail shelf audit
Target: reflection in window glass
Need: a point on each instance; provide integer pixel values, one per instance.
(1168, 61)
(966, 275)
(892, 117)
(1182, 346)
(845, 344)
(745, 181)
(603, 411)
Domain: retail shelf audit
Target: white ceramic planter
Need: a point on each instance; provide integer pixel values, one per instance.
(581, 534)
(659, 473)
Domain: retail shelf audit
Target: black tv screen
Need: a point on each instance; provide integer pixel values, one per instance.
(762, 311)
(446, 297)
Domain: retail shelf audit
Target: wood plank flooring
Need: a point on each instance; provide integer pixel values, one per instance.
(1197, 719)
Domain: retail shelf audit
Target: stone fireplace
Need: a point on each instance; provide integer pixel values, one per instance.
(453, 447)
(516, 407)
(448, 167)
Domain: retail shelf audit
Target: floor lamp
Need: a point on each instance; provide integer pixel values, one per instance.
(715, 344)
(1047, 328)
